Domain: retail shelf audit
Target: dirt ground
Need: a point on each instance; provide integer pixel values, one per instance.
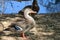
(48, 28)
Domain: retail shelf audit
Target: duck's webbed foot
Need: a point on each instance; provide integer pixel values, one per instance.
(23, 36)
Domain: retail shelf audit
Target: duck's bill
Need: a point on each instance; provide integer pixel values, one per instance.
(33, 12)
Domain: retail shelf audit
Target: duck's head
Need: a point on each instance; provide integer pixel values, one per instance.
(28, 11)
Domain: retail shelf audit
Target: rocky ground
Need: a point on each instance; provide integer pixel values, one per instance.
(48, 27)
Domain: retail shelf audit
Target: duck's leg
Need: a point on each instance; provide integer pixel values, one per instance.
(23, 36)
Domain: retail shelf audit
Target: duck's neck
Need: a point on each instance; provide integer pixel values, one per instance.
(29, 18)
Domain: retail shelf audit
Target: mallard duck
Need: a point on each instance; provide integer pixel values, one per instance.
(23, 26)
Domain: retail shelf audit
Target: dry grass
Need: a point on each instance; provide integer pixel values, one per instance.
(48, 28)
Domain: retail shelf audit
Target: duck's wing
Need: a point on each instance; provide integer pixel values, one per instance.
(21, 23)
(25, 26)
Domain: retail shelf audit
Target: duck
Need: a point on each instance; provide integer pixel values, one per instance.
(23, 26)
